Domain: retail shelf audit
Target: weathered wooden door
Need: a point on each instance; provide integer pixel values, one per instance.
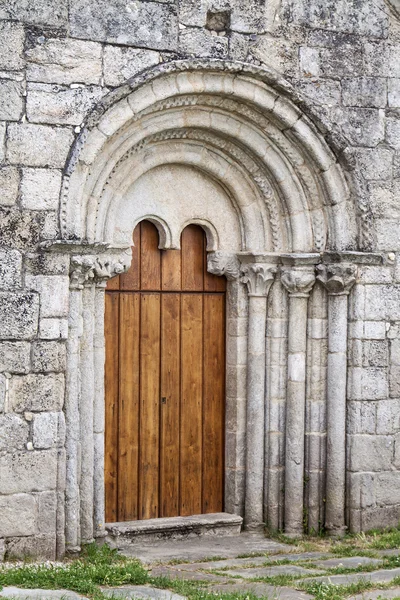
(164, 381)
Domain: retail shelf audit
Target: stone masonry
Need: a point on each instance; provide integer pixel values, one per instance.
(313, 259)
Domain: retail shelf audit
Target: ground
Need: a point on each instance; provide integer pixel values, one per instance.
(358, 567)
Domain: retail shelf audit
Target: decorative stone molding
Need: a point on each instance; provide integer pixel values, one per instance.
(258, 279)
(338, 279)
(298, 281)
(98, 269)
(223, 263)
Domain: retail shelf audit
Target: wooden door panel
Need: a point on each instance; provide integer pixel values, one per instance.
(191, 403)
(164, 378)
(128, 421)
(170, 405)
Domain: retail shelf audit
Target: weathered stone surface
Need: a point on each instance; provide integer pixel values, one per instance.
(19, 314)
(388, 488)
(378, 595)
(350, 562)
(38, 145)
(121, 63)
(47, 512)
(376, 164)
(54, 293)
(148, 24)
(34, 471)
(11, 101)
(64, 61)
(48, 430)
(46, 12)
(37, 392)
(365, 91)
(40, 188)
(370, 453)
(3, 385)
(53, 329)
(18, 515)
(13, 432)
(58, 105)
(271, 571)
(12, 37)
(9, 182)
(10, 269)
(376, 576)
(375, 353)
(45, 263)
(38, 594)
(199, 42)
(140, 591)
(39, 546)
(14, 357)
(48, 357)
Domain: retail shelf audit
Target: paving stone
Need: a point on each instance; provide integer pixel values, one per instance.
(377, 595)
(271, 571)
(262, 590)
(383, 576)
(176, 573)
(140, 591)
(302, 556)
(351, 562)
(222, 564)
(14, 592)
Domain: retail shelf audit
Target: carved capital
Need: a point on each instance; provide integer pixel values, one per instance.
(338, 279)
(86, 269)
(81, 271)
(223, 263)
(298, 281)
(258, 278)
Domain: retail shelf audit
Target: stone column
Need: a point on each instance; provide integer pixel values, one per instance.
(338, 280)
(258, 278)
(298, 280)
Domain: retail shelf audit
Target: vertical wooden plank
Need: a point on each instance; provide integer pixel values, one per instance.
(191, 403)
(113, 284)
(171, 270)
(128, 455)
(131, 279)
(213, 283)
(150, 257)
(192, 244)
(170, 405)
(213, 402)
(111, 319)
(149, 405)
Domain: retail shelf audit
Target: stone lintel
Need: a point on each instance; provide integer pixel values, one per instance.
(300, 259)
(360, 258)
(267, 259)
(81, 247)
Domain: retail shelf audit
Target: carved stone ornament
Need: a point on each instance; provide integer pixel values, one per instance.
(338, 279)
(258, 278)
(222, 263)
(298, 282)
(98, 269)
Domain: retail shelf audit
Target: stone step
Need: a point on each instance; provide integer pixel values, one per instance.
(151, 531)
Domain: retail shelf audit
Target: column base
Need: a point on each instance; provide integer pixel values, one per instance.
(337, 533)
(254, 527)
(294, 535)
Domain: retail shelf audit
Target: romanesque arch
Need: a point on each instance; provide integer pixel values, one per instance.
(222, 145)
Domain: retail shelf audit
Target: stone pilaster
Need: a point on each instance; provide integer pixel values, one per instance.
(298, 281)
(258, 279)
(338, 280)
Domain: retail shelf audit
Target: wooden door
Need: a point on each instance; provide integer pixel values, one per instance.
(164, 382)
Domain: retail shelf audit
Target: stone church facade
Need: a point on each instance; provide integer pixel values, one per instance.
(274, 125)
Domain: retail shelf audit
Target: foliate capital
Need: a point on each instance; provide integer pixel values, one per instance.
(86, 269)
(298, 280)
(338, 279)
(258, 278)
(223, 263)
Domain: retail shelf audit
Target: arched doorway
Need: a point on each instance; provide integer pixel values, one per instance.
(164, 382)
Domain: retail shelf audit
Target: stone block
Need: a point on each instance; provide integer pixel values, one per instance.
(34, 471)
(369, 383)
(19, 314)
(48, 430)
(46, 263)
(325, 92)
(41, 12)
(120, 63)
(9, 185)
(388, 417)
(375, 353)
(23, 229)
(38, 547)
(40, 188)
(362, 126)
(54, 293)
(393, 133)
(38, 145)
(370, 452)
(387, 235)
(14, 432)
(59, 105)
(146, 24)
(11, 100)
(2, 141)
(47, 507)
(372, 518)
(36, 393)
(394, 92)
(64, 61)
(344, 60)
(382, 302)
(395, 352)
(10, 269)
(18, 515)
(361, 417)
(3, 389)
(12, 38)
(239, 46)
(388, 488)
(15, 357)
(53, 329)
(375, 163)
(368, 92)
(48, 357)
(200, 42)
(362, 490)
(394, 381)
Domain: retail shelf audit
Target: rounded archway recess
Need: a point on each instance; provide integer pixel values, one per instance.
(235, 126)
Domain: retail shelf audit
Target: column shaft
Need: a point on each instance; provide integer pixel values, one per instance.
(99, 416)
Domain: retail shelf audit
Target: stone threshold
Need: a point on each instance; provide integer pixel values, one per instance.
(151, 531)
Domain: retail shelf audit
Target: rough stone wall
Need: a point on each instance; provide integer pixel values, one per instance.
(57, 59)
